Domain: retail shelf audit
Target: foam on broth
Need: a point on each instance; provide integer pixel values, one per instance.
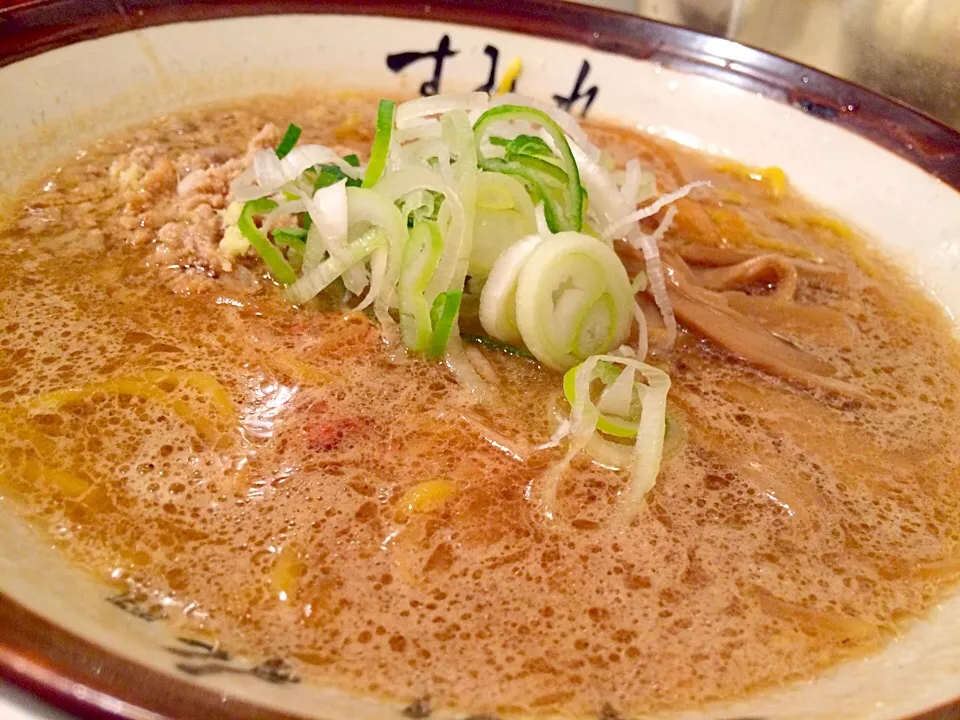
(790, 532)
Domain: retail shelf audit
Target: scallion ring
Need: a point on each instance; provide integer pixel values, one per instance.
(565, 211)
(290, 138)
(381, 143)
(498, 300)
(619, 425)
(443, 316)
(291, 237)
(650, 428)
(277, 264)
(504, 214)
(420, 259)
(573, 300)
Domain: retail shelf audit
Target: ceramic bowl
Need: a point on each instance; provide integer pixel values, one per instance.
(73, 70)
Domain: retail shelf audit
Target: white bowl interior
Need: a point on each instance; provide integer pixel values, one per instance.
(56, 102)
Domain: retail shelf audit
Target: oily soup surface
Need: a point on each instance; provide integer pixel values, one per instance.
(290, 491)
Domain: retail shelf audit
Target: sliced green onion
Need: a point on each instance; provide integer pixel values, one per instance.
(317, 279)
(585, 418)
(504, 214)
(290, 138)
(498, 300)
(465, 212)
(400, 183)
(368, 208)
(549, 174)
(295, 232)
(522, 145)
(493, 344)
(610, 424)
(528, 145)
(327, 175)
(573, 300)
(443, 316)
(452, 270)
(381, 143)
(420, 259)
(539, 186)
(494, 195)
(328, 232)
(564, 212)
(291, 237)
(276, 263)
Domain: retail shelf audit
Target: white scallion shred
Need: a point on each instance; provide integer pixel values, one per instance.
(563, 429)
(615, 228)
(268, 173)
(631, 181)
(269, 170)
(283, 210)
(369, 209)
(608, 209)
(304, 157)
(664, 227)
(328, 209)
(458, 363)
(316, 280)
(617, 396)
(583, 423)
(643, 343)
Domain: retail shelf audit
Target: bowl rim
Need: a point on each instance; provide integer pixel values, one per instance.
(36, 26)
(89, 681)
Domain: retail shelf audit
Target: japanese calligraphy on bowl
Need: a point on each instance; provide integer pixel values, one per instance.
(399, 62)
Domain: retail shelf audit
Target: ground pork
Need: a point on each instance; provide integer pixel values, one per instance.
(176, 204)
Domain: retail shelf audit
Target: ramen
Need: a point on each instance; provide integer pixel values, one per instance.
(378, 472)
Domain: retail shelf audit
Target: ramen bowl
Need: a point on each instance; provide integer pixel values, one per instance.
(73, 71)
